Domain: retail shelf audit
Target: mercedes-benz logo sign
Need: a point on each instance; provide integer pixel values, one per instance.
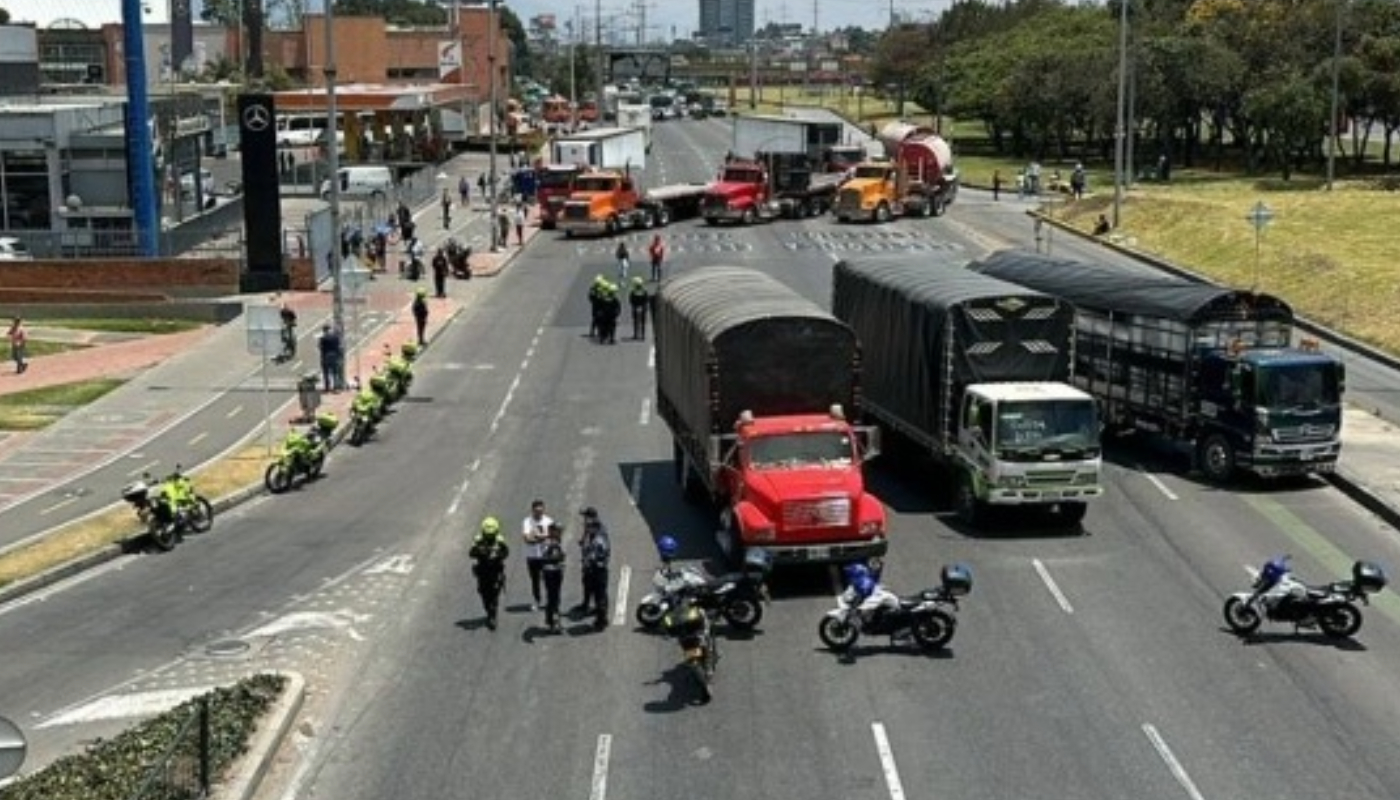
(257, 118)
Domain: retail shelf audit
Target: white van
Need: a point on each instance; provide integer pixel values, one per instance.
(364, 181)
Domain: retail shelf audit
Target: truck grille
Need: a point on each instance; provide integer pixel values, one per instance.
(714, 203)
(1305, 433)
(575, 212)
(848, 198)
(826, 512)
(1049, 477)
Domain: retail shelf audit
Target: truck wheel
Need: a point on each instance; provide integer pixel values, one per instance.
(882, 212)
(663, 217)
(749, 216)
(925, 208)
(936, 206)
(711, 221)
(1216, 458)
(803, 210)
(612, 226)
(971, 510)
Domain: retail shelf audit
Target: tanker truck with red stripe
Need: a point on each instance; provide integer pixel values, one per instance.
(916, 178)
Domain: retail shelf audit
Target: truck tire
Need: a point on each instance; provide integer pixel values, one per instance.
(925, 207)
(936, 206)
(612, 226)
(803, 210)
(1216, 458)
(749, 216)
(882, 212)
(663, 217)
(711, 221)
(971, 510)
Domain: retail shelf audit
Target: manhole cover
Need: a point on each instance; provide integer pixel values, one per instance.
(227, 649)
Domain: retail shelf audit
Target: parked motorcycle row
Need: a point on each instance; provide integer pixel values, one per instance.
(686, 604)
(169, 507)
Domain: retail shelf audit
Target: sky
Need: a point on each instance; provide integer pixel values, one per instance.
(662, 15)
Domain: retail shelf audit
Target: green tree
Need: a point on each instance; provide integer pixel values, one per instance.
(1289, 117)
(4, 16)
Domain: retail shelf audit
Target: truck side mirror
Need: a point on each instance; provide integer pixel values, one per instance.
(867, 441)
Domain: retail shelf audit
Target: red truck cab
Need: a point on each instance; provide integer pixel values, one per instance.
(740, 193)
(555, 184)
(797, 489)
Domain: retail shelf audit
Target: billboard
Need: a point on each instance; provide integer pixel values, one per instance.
(449, 58)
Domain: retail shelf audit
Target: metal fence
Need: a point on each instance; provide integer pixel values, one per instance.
(183, 771)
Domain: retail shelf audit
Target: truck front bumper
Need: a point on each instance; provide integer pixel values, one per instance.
(827, 552)
(722, 213)
(1042, 495)
(1274, 461)
(852, 211)
(582, 225)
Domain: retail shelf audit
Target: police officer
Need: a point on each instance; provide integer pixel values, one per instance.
(596, 549)
(553, 574)
(639, 299)
(596, 291)
(610, 308)
(489, 550)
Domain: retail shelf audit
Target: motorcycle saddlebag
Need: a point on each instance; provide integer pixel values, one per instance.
(1368, 576)
(957, 579)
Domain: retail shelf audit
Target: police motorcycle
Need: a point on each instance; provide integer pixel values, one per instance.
(169, 507)
(691, 627)
(866, 607)
(366, 412)
(458, 258)
(303, 455)
(737, 596)
(392, 381)
(1278, 596)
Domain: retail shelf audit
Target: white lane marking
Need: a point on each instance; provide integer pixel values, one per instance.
(634, 489)
(400, 564)
(1156, 481)
(1178, 771)
(887, 765)
(342, 619)
(457, 498)
(584, 458)
(651, 358)
(476, 465)
(1052, 586)
(599, 788)
(63, 585)
(143, 468)
(44, 512)
(645, 416)
(125, 706)
(196, 440)
(510, 393)
(624, 582)
(235, 412)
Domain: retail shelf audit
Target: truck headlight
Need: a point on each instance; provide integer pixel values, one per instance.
(871, 528)
(764, 533)
(1013, 481)
(1086, 478)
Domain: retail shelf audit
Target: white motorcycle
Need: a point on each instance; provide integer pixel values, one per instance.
(1280, 597)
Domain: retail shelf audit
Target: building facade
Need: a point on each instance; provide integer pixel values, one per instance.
(726, 22)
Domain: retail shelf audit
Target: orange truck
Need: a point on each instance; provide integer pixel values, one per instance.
(606, 197)
(916, 178)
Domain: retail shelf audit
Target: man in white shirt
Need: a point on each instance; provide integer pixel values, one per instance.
(535, 531)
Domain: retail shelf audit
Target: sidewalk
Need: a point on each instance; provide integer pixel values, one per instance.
(172, 376)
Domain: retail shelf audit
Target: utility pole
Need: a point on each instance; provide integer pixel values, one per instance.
(641, 22)
(492, 31)
(573, 78)
(598, 45)
(333, 166)
(1120, 133)
(1332, 127)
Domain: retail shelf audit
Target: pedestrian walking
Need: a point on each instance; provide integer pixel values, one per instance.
(640, 300)
(440, 268)
(657, 251)
(520, 217)
(420, 314)
(596, 550)
(481, 184)
(464, 191)
(1077, 181)
(446, 210)
(624, 262)
(19, 343)
(289, 335)
(535, 531)
(996, 184)
(489, 552)
(552, 573)
(502, 227)
(332, 349)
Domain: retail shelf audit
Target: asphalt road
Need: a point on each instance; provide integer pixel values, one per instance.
(1086, 666)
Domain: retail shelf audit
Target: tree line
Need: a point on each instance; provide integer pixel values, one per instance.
(1249, 80)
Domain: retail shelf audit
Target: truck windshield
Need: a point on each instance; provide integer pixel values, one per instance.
(554, 179)
(1042, 425)
(1301, 386)
(742, 176)
(594, 184)
(871, 171)
(814, 449)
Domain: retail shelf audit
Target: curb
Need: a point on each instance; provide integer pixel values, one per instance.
(1364, 497)
(82, 563)
(253, 767)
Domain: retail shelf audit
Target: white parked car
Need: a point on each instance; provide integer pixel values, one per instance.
(206, 180)
(12, 249)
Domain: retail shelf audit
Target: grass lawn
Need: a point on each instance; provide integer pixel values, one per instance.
(38, 348)
(149, 326)
(39, 408)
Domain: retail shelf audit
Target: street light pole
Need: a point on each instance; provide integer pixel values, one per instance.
(333, 166)
(1332, 126)
(491, 62)
(1120, 131)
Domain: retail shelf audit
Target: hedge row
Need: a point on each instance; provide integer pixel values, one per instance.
(117, 768)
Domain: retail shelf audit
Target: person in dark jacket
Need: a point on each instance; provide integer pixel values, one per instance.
(596, 291)
(639, 299)
(440, 268)
(552, 572)
(332, 349)
(595, 551)
(610, 309)
(420, 314)
(489, 552)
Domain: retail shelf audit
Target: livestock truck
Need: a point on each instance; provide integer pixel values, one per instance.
(760, 388)
(1209, 368)
(975, 371)
(916, 178)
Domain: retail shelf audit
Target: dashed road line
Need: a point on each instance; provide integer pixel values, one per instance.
(1158, 482)
(598, 789)
(1052, 586)
(887, 765)
(1179, 772)
(624, 583)
(645, 416)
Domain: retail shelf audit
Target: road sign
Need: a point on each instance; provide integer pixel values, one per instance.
(1260, 216)
(264, 330)
(12, 748)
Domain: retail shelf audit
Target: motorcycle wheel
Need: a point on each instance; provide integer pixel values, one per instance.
(837, 634)
(743, 612)
(1241, 617)
(649, 615)
(359, 432)
(164, 535)
(934, 630)
(314, 467)
(1340, 621)
(277, 479)
(201, 514)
